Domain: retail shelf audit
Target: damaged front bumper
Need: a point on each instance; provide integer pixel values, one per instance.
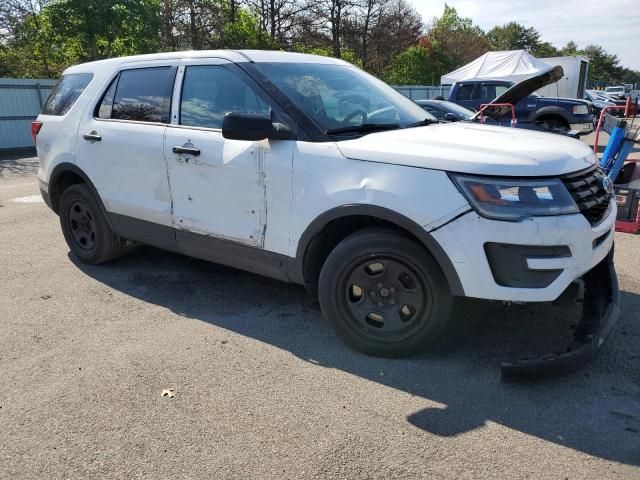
(600, 311)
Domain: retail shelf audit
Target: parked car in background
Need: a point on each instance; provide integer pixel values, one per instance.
(616, 91)
(599, 101)
(309, 170)
(446, 111)
(532, 111)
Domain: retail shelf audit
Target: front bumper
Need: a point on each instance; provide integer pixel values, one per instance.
(464, 241)
(600, 311)
(582, 128)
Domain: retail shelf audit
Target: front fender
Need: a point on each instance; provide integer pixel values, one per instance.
(328, 186)
(551, 110)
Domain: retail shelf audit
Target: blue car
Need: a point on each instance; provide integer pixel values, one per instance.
(446, 111)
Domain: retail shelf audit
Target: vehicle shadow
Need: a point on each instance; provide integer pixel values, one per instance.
(596, 411)
(16, 164)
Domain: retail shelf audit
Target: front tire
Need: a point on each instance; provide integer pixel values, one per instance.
(384, 294)
(85, 229)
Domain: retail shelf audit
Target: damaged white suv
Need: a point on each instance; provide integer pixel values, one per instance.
(309, 170)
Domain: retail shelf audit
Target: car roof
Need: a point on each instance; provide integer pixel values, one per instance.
(238, 56)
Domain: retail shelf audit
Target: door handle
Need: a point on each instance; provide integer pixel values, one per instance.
(188, 150)
(92, 137)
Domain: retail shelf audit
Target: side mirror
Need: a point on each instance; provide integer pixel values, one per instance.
(451, 117)
(253, 126)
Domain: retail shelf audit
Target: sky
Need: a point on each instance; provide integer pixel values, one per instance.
(613, 24)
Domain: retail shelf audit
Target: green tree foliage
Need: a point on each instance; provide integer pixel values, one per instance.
(452, 41)
(40, 38)
(571, 48)
(245, 32)
(513, 36)
(545, 49)
(603, 67)
(106, 28)
(411, 67)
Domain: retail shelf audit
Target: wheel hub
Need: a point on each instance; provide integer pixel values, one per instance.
(82, 225)
(386, 295)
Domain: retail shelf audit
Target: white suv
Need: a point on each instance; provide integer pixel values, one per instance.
(309, 170)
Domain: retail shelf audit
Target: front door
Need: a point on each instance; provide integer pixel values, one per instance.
(217, 185)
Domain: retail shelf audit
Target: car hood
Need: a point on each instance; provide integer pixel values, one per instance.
(522, 90)
(567, 101)
(473, 148)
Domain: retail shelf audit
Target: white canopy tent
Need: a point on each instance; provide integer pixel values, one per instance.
(513, 65)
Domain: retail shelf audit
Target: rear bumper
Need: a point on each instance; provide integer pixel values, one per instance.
(44, 191)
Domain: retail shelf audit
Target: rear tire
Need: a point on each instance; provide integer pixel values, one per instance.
(85, 228)
(384, 294)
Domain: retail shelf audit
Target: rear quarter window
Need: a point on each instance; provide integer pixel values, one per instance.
(65, 93)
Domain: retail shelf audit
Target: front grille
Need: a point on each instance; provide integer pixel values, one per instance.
(587, 189)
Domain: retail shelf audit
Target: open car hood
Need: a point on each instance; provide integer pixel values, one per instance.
(522, 90)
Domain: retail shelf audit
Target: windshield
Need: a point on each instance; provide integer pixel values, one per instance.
(337, 97)
(614, 89)
(457, 109)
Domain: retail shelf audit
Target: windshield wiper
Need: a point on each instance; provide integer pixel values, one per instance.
(426, 121)
(365, 127)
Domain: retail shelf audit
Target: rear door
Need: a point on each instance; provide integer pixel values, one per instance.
(120, 147)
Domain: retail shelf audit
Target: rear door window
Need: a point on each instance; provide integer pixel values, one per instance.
(489, 91)
(465, 92)
(65, 93)
(142, 94)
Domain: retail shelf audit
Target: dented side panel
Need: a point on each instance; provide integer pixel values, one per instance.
(324, 179)
(220, 192)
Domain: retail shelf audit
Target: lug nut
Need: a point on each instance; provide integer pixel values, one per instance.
(372, 294)
(379, 304)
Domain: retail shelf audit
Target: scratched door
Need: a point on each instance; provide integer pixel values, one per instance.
(217, 185)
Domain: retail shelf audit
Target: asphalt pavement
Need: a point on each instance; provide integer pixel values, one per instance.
(264, 390)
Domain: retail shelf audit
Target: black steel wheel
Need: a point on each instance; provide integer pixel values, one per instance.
(82, 226)
(384, 294)
(85, 229)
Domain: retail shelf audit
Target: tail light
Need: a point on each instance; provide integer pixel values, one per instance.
(35, 129)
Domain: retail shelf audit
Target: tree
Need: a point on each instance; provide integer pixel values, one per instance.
(571, 48)
(603, 67)
(513, 36)
(106, 28)
(411, 67)
(452, 41)
(245, 32)
(278, 18)
(396, 27)
(27, 45)
(545, 49)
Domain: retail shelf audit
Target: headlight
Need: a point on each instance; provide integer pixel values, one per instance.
(515, 200)
(580, 110)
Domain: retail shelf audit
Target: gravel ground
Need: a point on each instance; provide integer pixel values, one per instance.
(264, 389)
